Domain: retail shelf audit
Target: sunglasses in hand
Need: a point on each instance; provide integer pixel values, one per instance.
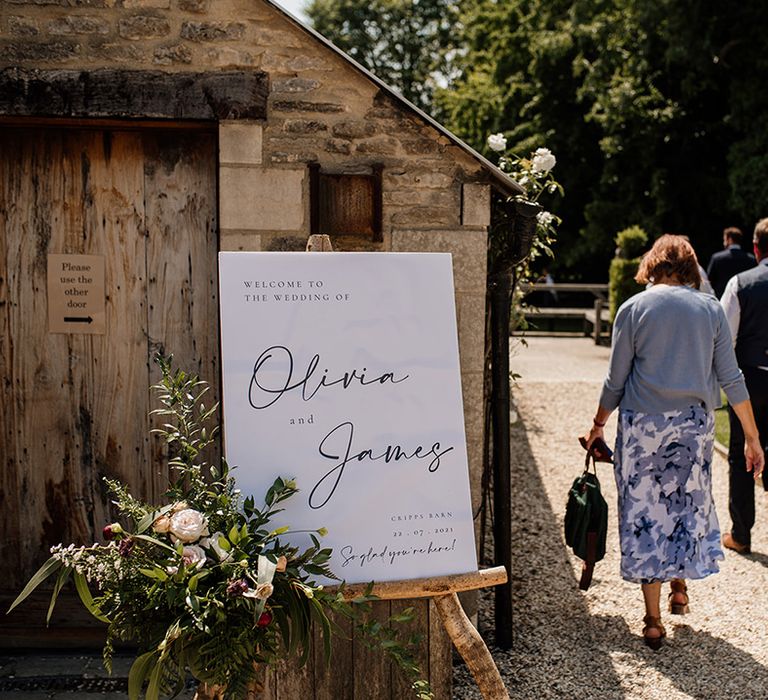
(599, 450)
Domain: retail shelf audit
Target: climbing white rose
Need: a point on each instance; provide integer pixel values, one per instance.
(188, 525)
(497, 142)
(545, 218)
(543, 160)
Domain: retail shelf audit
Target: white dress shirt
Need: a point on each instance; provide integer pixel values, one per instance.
(730, 302)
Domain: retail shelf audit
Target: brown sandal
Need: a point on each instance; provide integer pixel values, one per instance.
(653, 623)
(678, 597)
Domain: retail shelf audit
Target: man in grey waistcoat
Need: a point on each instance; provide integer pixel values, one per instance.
(745, 301)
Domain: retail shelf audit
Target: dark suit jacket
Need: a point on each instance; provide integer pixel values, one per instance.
(726, 264)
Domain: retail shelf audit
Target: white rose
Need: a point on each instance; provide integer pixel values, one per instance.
(497, 142)
(188, 525)
(193, 556)
(212, 542)
(543, 160)
(545, 218)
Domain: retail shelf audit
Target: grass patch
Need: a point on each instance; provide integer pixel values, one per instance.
(722, 427)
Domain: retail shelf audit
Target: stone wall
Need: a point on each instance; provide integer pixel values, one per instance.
(320, 109)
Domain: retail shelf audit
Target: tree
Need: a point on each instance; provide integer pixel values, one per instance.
(654, 108)
(657, 110)
(517, 77)
(403, 42)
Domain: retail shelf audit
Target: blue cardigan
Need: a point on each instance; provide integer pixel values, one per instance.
(671, 349)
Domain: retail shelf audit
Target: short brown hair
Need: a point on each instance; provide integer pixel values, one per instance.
(670, 256)
(734, 233)
(760, 238)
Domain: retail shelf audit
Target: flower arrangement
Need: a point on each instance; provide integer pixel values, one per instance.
(534, 175)
(203, 584)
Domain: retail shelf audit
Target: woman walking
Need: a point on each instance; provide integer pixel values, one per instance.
(671, 353)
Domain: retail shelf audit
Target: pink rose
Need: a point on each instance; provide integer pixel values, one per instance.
(193, 556)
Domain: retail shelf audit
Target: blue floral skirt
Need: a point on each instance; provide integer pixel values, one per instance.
(668, 526)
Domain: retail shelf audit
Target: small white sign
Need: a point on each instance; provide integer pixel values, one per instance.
(341, 370)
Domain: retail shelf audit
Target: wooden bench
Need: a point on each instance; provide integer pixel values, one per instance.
(543, 321)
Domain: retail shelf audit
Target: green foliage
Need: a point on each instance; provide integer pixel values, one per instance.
(631, 241)
(653, 107)
(204, 582)
(403, 42)
(621, 283)
(516, 77)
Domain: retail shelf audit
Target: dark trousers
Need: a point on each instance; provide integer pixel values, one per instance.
(741, 498)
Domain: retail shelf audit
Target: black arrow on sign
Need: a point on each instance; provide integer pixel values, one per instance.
(78, 319)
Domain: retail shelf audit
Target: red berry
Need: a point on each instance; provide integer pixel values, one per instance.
(264, 619)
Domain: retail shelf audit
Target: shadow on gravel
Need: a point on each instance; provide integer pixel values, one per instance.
(759, 557)
(556, 652)
(697, 663)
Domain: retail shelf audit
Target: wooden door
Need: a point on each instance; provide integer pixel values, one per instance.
(75, 407)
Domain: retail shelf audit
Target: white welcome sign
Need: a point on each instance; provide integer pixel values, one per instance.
(341, 370)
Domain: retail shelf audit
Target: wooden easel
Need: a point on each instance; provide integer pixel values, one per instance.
(442, 590)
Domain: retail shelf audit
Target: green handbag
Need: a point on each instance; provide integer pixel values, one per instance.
(586, 521)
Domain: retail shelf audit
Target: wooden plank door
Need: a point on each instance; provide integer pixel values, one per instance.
(75, 407)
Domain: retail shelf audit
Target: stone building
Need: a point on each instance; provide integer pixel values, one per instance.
(154, 133)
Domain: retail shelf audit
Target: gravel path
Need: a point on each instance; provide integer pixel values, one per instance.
(571, 644)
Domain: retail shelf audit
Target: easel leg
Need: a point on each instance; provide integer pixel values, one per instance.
(208, 692)
(471, 647)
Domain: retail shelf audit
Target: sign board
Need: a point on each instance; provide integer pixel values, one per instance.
(341, 370)
(76, 294)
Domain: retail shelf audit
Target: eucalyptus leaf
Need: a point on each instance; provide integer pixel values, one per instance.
(81, 585)
(158, 543)
(60, 581)
(155, 678)
(50, 567)
(140, 668)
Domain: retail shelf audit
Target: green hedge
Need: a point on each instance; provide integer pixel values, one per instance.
(631, 242)
(621, 276)
(621, 283)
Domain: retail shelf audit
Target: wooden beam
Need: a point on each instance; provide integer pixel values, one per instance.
(100, 124)
(428, 587)
(134, 94)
